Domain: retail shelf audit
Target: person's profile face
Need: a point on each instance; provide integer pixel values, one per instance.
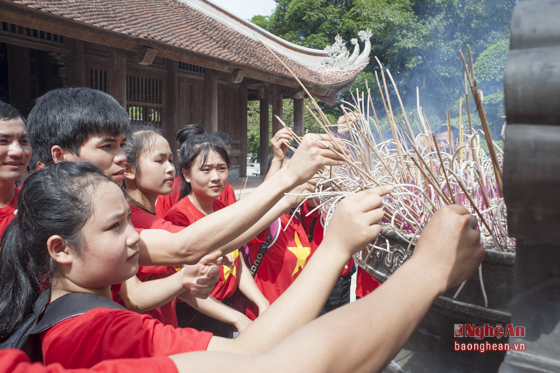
(107, 152)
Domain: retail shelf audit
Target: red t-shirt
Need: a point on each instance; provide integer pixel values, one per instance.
(142, 219)
(105, 334)
(282, 263)
(228, 195)
(365, 283)
(15, 361)
(164, 203)
(7, 213)
(318, 233)
(184, 213)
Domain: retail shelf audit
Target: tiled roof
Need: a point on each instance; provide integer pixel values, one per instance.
(177, 24)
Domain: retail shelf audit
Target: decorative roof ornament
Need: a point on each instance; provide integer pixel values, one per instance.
(355, 54)
(338, 54)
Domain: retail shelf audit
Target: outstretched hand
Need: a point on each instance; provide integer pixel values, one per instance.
(314, 153)
(201, 278)
(354, 223)
(449, 246)
(280, 143)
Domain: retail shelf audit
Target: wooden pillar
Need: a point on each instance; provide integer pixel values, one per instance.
(19, 78)
(242, 120)
(77, 64)
(117, 75)
(277, 109)
(210, 102)
(171, 103)
(263, 149)
(298, 116)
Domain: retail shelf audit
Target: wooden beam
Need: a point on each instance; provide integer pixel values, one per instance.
(76, 64)
(277, 109)
(117, 75)
(299, 94)
(171, 103)
(47, 47)
(264, 134)
(237, 75)
(210, 102)
(298, 116)
(145, 56)
(242, 125)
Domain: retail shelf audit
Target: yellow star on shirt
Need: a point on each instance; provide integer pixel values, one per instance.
(301, 253)
(231, 271)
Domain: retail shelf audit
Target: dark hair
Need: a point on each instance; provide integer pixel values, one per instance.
(188, 132)
(68, 117)
(139, 139)
(32, 166)
(56, 200)
(444, 129)
(199, 146)
(226, 139)
(8, 112)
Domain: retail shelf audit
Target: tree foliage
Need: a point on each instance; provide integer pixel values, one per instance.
(418, 40)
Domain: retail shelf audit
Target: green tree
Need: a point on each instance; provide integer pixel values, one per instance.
(418, 40)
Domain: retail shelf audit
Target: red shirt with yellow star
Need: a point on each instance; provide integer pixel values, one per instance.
(282, 263)
(184, 213)
(307, 218)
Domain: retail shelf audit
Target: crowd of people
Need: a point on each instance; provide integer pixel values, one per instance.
(103, 211)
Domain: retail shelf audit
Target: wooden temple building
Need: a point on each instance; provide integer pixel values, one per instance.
(168, 62)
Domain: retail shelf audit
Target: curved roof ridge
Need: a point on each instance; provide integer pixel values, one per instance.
(224, 12)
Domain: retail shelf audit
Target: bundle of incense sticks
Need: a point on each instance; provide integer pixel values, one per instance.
(425, 177)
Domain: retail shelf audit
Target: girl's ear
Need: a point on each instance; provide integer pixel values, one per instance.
(186, 175)
(129, 172)
(58, 250)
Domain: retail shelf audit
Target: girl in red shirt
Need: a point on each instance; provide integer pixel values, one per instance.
(149, 172)
(204, 162)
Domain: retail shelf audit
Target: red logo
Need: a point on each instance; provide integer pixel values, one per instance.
(488, 331)
(458, 330)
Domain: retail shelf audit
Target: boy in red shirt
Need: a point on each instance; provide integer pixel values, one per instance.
(15, 152)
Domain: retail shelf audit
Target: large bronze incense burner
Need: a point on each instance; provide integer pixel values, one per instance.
(522, 288)
(430, 348)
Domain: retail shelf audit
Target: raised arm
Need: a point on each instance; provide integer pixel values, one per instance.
(353, 225)
(206, 235)
(279, 150)
(217, 310)
(250, 289)
(349, 339)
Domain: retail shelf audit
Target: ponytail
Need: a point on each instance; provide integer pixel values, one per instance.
(53, 201)
(21, 274)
